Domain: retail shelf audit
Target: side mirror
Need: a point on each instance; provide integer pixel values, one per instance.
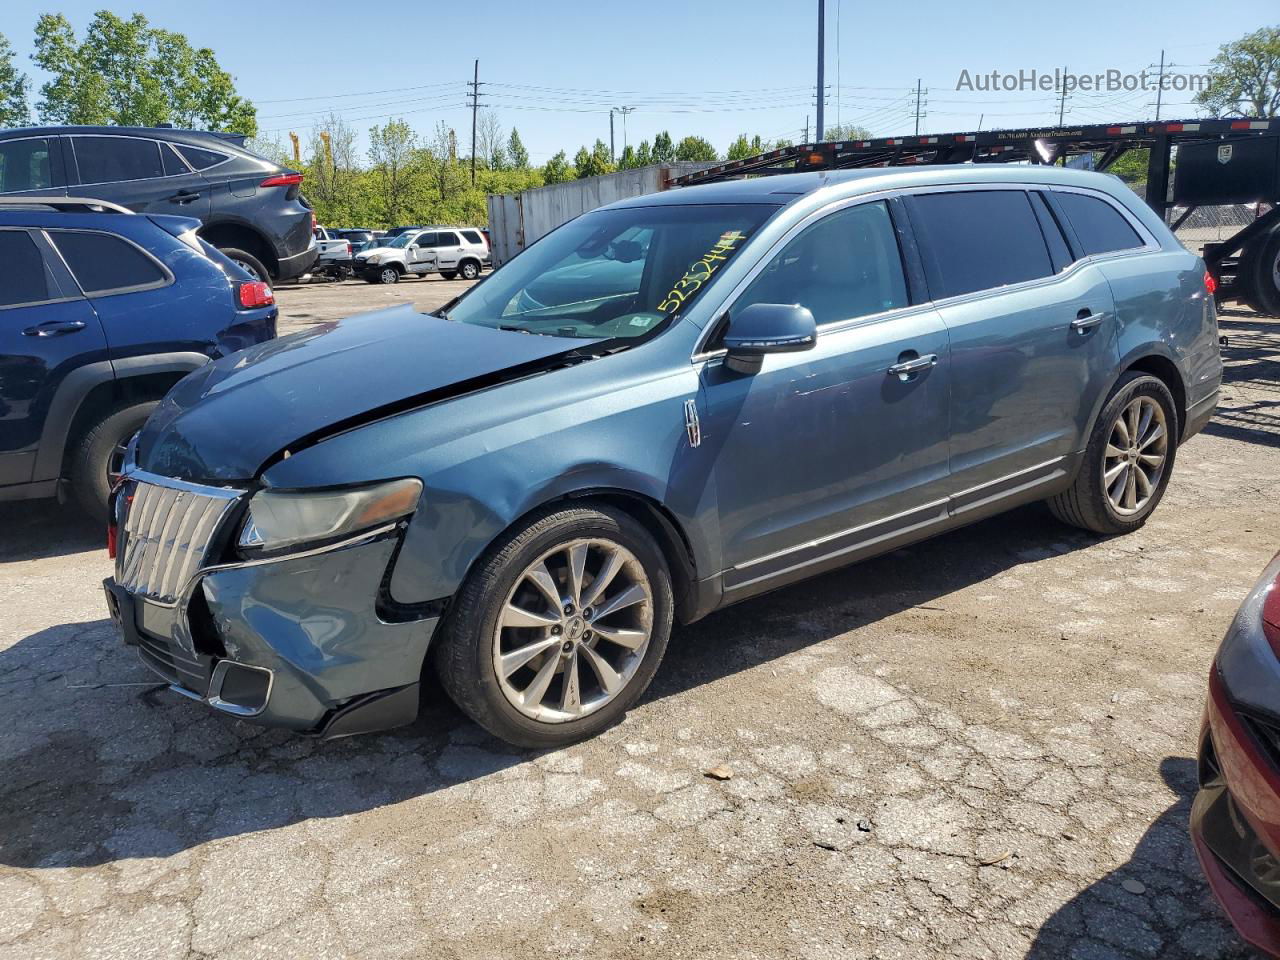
(764, 328)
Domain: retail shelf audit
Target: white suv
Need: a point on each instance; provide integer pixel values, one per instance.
(449, 251)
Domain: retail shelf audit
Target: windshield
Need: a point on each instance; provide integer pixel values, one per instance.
(401, 240)
(613, 273)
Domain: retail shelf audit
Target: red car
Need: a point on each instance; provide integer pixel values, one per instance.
(1235, 820)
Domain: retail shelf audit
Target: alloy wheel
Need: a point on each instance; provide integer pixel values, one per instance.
(573, 630)
(249, 268)
(1137, 450)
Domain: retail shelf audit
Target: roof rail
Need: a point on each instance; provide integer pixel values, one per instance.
(64, 204)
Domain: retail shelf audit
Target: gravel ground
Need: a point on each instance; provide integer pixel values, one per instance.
(969, 748)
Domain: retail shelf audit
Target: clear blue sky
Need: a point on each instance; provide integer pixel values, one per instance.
(552, 69)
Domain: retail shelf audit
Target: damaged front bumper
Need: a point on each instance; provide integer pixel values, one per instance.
(298, 641)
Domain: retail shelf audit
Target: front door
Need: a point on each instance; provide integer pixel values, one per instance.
(830, 453)
(47, 330)
(1033, 341)
(421, 255)
(144, 175)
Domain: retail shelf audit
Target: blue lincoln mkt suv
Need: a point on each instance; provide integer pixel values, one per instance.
(663, 407)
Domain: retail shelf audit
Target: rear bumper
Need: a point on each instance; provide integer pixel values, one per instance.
(298, 264)
(296, 642)
(1199, 415)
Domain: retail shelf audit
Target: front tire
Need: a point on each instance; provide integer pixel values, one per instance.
(1128, 461)
(559, 630)
(96, 462)
(388, 275)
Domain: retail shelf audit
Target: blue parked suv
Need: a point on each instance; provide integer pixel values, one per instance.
(663, 407)
(101, 312)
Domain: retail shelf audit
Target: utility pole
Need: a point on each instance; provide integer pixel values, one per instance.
(822, 46)
(1160, 85)
(613, 156)
(806, 129)
(624, 111)
(475, 103)
(918, 92)
(1062, 102)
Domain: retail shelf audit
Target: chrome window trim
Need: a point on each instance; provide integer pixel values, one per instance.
(121, 136)
(168, 280)
(39, 249)
(227, 157)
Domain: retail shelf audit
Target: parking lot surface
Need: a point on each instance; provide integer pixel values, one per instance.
(981, 746)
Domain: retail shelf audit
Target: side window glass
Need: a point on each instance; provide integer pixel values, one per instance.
(844, 266)
(25, 278)
(447, 240)
(426, 240)
(24, 165)
(102, 262)
(1059, 252)
(199, 158)
(979, 240)
(171, 162)
(1099, 226)
(472, 237)
(111, 159)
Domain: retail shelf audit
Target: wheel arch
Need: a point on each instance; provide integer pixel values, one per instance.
(1167, 372)
(232, 233)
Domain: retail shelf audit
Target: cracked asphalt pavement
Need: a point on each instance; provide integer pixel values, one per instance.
(978, 747)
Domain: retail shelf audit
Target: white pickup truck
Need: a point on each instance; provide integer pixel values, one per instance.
(335, 254)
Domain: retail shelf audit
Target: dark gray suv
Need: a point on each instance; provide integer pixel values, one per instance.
(250, 208)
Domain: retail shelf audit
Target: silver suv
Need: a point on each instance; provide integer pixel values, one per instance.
(449, 251)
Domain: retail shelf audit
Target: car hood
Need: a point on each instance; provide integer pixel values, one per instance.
(234, 416)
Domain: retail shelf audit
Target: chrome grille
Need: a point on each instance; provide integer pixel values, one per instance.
(168, 529)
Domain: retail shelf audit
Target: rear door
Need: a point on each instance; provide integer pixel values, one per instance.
(139, 173)
(1033, 338)
(32, 165)
(449, 250)
(47, 330)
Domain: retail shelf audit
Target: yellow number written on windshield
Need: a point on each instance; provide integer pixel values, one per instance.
(701, 271)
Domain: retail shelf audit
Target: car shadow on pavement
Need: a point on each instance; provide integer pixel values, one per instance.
(103, 763)
(37, 529)
(1119, 915)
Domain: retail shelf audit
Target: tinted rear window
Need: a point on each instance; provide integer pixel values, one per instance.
(102, 262)
(24, 165)
(23, 279)
(200, 158)
(979, 240)
(110, 159)
(472, 236)
(1099, 226)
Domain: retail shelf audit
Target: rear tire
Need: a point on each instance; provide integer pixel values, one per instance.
(99, 454)
(1260, 263)
(1103, 498)
(558, 694)
(247, 262)
(469, 270)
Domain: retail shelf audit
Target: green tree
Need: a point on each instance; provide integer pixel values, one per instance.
(696, 148)
(628, 159)
(13, 89)
(393, 152)
(332, 175)
(593, 162)
(516, 152)
(126, 72)
(557, 169)
(1245, 76)
(847, 131)
(644, 155)
(742, 148)
(664, 151)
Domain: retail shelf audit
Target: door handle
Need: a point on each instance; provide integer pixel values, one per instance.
(905, 368)
(184, 196)
(52, 328)
(1086, 320)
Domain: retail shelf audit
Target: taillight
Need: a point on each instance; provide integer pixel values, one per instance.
(111, 540)
(1271, 615)
(348, 248)
(1210, 283)
(313, 221)
(282, 180)
(255, 293)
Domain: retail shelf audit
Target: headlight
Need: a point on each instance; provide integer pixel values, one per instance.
(284, 519)
(371, 259)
